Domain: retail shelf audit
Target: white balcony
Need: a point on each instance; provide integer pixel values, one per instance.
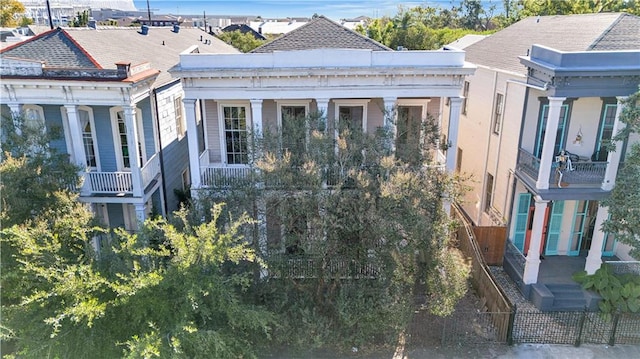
(121, 182)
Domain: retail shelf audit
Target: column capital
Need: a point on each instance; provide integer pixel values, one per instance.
(189, 101)
(456, 100)
(621, 98)
(556, 99)
(256, 102)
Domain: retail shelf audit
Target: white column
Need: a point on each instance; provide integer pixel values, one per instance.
(134, 152)
(75, 129)
(613, 157)
(454, 123)
(323, 110)
(532, 264)
(16, 108)
(192, 137)
(256, 132)
(594, 258)
(16, 111)
(423, 121)
(391, 119)
(141, 214)
(555, 107)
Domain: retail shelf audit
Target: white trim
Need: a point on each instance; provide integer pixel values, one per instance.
(221, 126)
(113, 111)
(346, 103)
(67, 133)
(292, 103)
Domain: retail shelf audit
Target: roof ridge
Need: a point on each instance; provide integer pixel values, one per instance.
(82, 49)
(605, 32)
(53, 32)
(313, 21)
(31, 39)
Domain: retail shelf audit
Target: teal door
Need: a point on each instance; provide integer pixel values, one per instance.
(555, 225)
(542, 127)
(522, 220)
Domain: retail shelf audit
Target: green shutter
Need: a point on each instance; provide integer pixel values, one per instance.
(555, 225)
(522, 218)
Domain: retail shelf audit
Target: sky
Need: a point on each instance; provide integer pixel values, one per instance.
(333, 9)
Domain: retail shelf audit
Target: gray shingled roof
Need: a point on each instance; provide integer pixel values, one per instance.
(604, 31)
(321, 33)
(624, 34)
(55, 48)
(104, 47)
(161, 47)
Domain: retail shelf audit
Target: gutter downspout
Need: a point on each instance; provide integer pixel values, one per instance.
(160, 155)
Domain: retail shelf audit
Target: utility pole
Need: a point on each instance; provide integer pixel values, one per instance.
(49, 12)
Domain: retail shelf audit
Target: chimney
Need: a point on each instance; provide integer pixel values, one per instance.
(123, 69)
(144, 30)
(176, 28)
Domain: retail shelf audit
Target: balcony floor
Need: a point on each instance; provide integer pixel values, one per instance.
(570, 192)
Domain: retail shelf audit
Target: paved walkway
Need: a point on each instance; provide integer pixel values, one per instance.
(529, 351)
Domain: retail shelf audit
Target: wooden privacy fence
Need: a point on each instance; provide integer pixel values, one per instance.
(482, 280)
(491, 241)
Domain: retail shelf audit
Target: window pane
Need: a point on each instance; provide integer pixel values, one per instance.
(236, 135)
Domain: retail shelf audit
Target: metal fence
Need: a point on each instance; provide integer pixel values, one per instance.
(477, 327)
(576, 328)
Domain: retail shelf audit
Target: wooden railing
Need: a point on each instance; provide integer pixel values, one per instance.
(150, 170)
(109, 182)
(120, 182)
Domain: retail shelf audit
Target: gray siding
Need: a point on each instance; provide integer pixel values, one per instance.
(175, 156)
(213, 131)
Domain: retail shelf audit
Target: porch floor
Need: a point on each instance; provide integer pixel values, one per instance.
(560, 269)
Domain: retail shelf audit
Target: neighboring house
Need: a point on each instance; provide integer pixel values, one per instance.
(351, 24)
(542, 87)
(276, 26)
(121, 111)
(321, 67)
(243, 28)
(160, 20)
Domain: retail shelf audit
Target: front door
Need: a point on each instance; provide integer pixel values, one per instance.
(584, 220)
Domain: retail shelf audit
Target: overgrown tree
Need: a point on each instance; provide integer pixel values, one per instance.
(244, 42)
(10, 11)
(353, 233)
(73, 290)
(81, 19)
(624, 202)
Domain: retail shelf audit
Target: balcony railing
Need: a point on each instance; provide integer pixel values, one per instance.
(225, 177)
(120, 182)
(586, 173)
(305, 266)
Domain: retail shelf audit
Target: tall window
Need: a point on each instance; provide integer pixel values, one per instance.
(605, 132)
(351, 118)
(180, 125)
(497, 113)
(120, 133)
(465, 95)
(488, 196)
(235, 131)
(84, 116)
(294, 131)
(409, 130)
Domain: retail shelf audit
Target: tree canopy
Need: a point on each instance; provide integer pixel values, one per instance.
(244, 42)
(353, 233)
(10, 11)
(624, 202)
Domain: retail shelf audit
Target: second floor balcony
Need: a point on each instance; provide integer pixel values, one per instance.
(569, 174)
(121, 183)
